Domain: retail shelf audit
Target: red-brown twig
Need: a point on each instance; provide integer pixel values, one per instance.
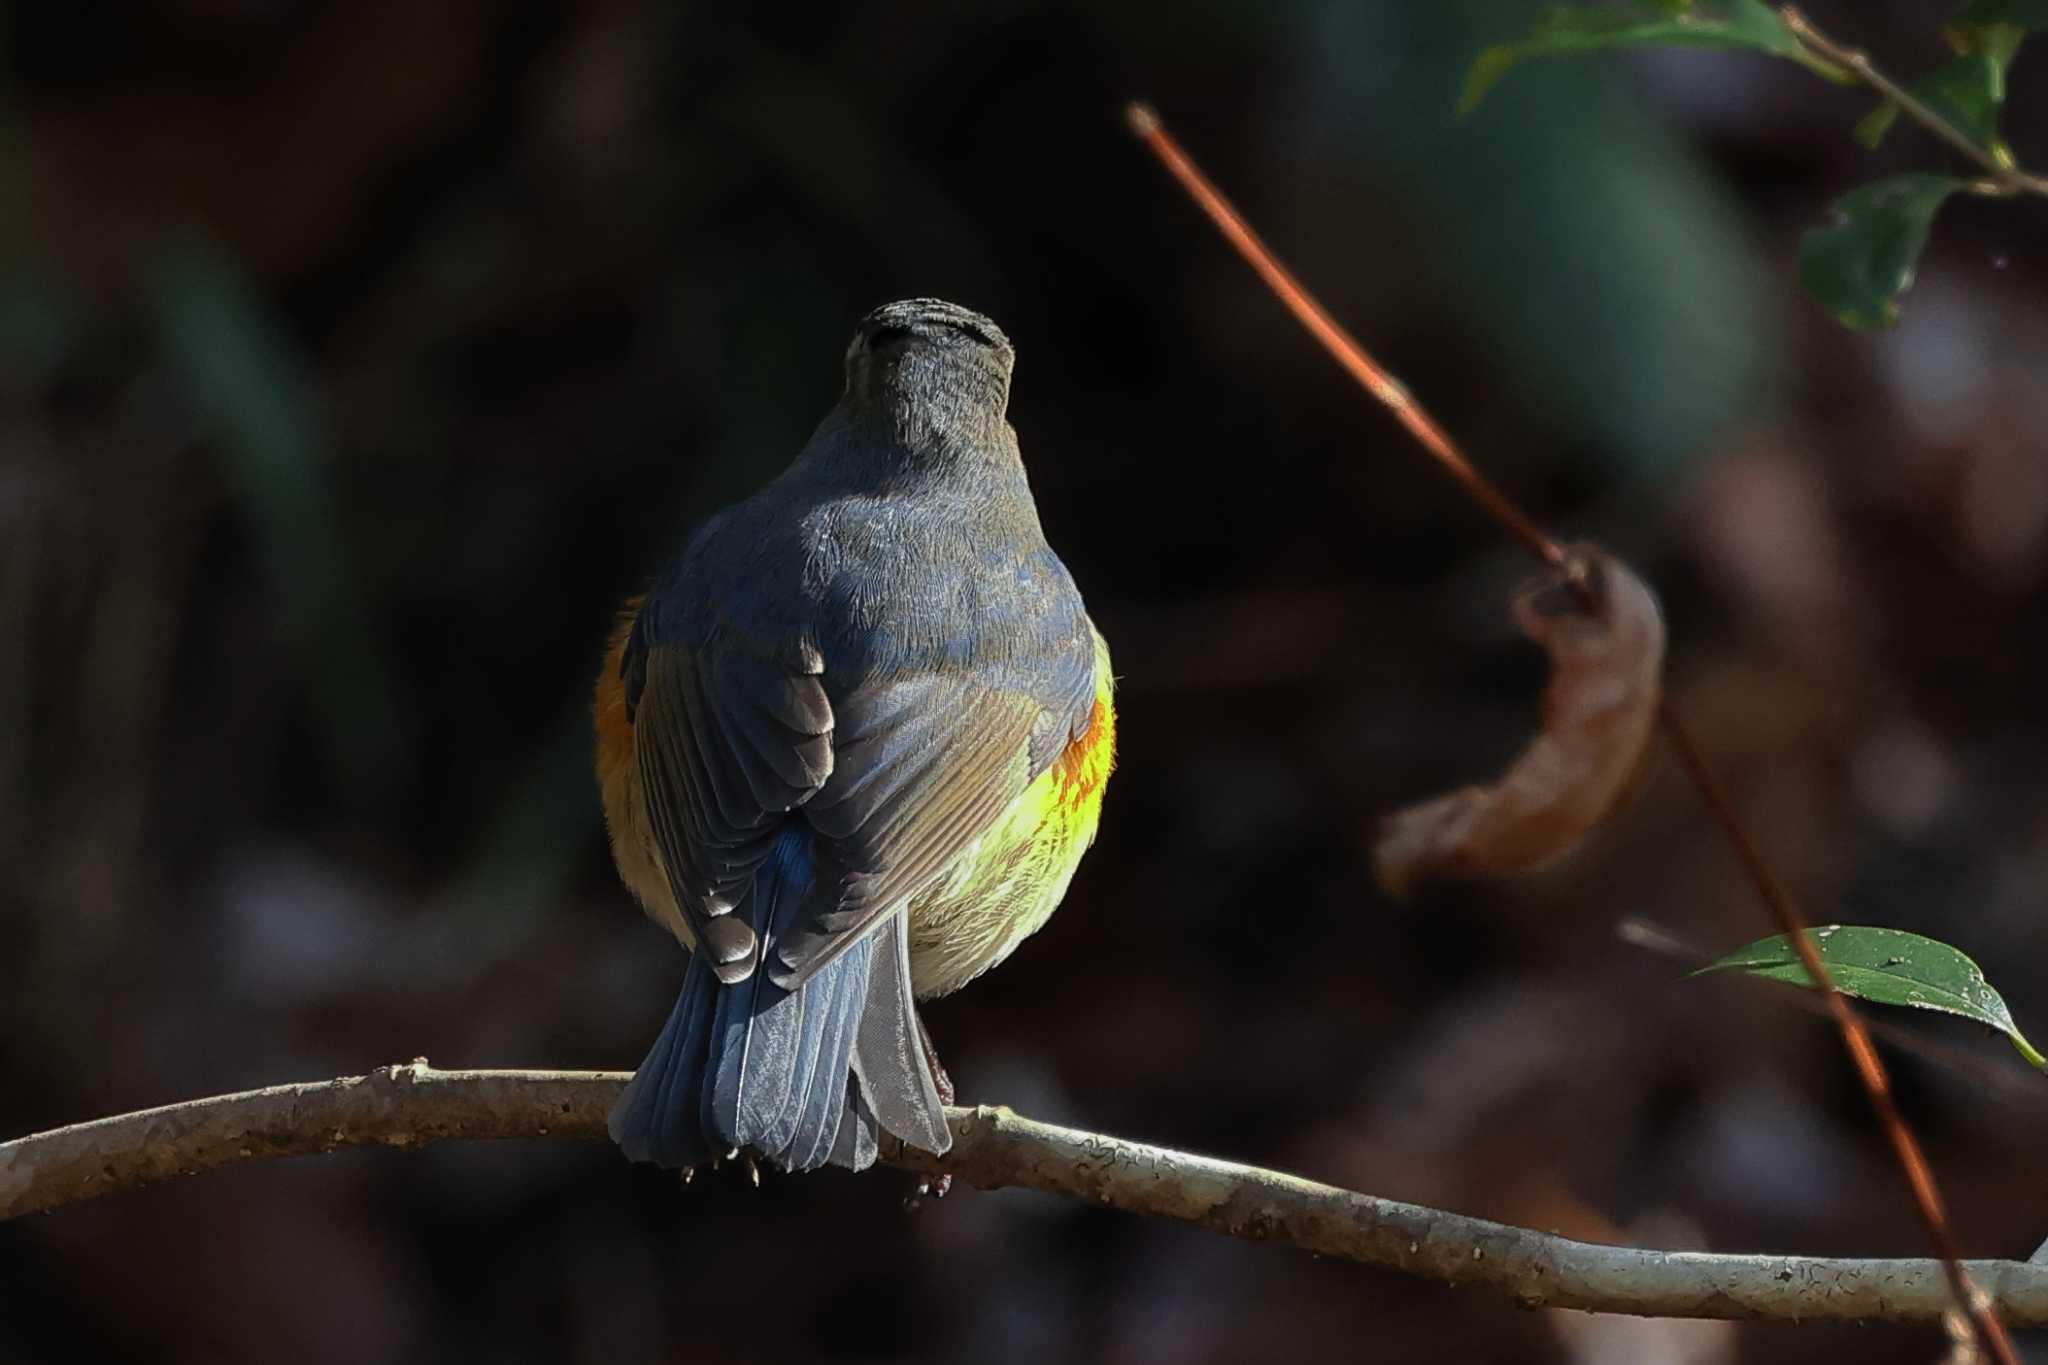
(1347, 352)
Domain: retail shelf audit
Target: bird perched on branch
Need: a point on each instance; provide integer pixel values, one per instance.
(852, 746)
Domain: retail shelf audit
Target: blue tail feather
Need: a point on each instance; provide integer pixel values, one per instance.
(821, 1106)
(645, 1121)
(888, 1054)
(753, 1066)
(855, 1147)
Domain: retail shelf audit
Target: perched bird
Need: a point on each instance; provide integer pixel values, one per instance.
(851, 745)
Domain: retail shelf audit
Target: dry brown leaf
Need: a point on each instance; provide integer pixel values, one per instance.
(1606, 667)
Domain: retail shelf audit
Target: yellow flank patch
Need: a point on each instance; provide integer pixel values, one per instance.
(999, 891)
(1005, 885)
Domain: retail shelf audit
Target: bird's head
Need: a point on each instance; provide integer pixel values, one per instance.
(930, 360)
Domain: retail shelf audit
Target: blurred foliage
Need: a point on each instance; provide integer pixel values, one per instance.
(1969, 92)
(2023, 13)
(1858, 267)
(1575, 31)
(244, 379)
(1588, 248)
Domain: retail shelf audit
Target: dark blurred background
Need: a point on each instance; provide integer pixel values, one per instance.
(357, 359)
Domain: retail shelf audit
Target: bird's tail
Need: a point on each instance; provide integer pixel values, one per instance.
(802, 1078)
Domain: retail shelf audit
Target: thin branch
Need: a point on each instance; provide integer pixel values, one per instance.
(1339, 343)
(1144, 122)
(1877, 1084)
(415, 1106)
(2005, 178)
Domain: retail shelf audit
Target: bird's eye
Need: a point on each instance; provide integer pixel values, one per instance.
(887, 336)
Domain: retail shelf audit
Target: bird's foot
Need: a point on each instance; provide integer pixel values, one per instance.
(746, 1160)
(936, 1186)
(928, 1187)
(940, 1079)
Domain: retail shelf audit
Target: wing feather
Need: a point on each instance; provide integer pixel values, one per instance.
(727, 747)
(923, 766)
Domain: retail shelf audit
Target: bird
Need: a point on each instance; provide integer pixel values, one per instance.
(852, 744)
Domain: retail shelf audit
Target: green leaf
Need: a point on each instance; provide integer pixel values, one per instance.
(1575, 30)
(1871, 128)
(1890, 967)
(1858, 265)
(2020, 13)
(1969, 91)
(1998, 43)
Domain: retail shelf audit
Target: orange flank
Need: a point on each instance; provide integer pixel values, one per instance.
(1084, 765)
(618, 783)
(614, 728)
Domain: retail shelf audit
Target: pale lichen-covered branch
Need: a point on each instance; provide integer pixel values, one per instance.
(412, 1106)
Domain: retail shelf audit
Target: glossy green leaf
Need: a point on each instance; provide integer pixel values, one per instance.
(2020, 13)
(1575, 30)
(1969, 91)
(1888, 967)
(1858, 265)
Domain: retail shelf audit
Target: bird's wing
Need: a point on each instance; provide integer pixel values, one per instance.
(923, 765)
(728, 740)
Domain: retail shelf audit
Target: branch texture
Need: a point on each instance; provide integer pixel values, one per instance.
(412, 1106)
